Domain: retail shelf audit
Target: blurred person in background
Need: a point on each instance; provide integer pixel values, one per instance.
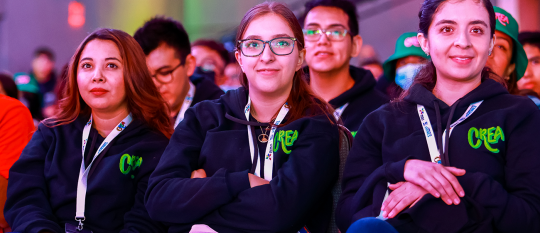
(531, 78)
(508, 59)
(169, 59)
(37, 86)
(374, 66)
(234, 74)
(87, 168)
(331, 34)
(211, 56)
(16, 127)
(401, 68)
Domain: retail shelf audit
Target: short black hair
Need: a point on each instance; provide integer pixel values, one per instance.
(532, 38)
(216, 46)
(9, 86)
(346, 6)
(160, 30)
(44, 51)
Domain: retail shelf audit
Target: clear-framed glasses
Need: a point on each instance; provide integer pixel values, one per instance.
(333, 33)
(280, 46)
(165, 76)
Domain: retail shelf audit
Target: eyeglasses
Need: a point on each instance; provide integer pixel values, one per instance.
(280, 46)
(333, 33)
(165, 76)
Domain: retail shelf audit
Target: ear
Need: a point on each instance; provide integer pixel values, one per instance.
(424, 43)
(492, 44)
(357, 43)
(190, 65)
(301, 58)
(238, 57)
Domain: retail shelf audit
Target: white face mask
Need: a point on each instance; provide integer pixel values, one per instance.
(405, 75)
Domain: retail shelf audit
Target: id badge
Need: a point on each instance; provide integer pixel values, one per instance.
(70, 228)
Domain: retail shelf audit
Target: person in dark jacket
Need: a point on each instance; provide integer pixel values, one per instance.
(115, 116)
(401, 68)
(456, 151)
(331, 32)
(168, 56)
(262, 158)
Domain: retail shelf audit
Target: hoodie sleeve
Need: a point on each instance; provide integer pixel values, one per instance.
(284, 203)
(27, 206)
(365, 176)
(137, 219)
(173, 197)
(515, 206)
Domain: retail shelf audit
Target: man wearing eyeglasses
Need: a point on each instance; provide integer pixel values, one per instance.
(168, 57)
(331, 37)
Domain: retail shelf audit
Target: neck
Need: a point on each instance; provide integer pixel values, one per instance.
(331, 84)
(265, 106)
(449, 90)
(175, 109)
(105, 122)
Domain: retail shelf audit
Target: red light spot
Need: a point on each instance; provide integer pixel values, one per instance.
(76, 16)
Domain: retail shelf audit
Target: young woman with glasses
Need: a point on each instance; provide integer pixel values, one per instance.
(262, 158)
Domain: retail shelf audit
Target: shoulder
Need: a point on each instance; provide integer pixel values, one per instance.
(11, 105)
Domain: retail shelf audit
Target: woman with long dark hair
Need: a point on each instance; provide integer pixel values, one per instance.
(262, 158)
(87, 168)
(455, 154)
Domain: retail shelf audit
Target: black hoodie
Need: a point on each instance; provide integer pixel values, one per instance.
(42, 187)
(363, 98)
(495, 145)
(205, 89)
(213, 136)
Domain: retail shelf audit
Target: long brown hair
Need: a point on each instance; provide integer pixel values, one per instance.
(143, 99)
(302, 100)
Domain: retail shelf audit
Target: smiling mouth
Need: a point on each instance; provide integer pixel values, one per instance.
(98, 91)
(461, 59)
(267, 71)
(323, 54)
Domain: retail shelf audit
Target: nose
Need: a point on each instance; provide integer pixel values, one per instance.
(462, 40)
(98, 76)
(267, 54)
(323, 40)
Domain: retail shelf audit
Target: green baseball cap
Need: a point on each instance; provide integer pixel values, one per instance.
(406, 45)
(26, 82)
(506, 24)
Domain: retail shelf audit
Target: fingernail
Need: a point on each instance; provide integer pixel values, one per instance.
(462, 194)
(449, 201)
(456, 201)
(391, 215)
(437, 195)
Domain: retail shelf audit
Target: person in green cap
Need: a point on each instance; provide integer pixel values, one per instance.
(507, 59)
(401, 68)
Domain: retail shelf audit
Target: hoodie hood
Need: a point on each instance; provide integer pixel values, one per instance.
(363, 82)
(487, 89)
(235, 101)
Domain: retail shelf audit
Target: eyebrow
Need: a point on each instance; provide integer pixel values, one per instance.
(90, 59)
(534, 58)
(274, 36)
(474, 22)
(329, 26)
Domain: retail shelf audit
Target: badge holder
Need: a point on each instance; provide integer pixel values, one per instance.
(70, 228)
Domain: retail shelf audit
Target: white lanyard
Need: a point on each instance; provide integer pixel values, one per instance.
(185, 105)
(83, 173)
(268, 161)
(339, 111)
(430, 137)
(429, 133)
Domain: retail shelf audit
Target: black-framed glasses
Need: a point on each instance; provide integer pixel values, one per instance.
(165, 76)
(333, 33)
(280, 46)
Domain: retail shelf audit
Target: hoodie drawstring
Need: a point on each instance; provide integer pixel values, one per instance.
(444, 154)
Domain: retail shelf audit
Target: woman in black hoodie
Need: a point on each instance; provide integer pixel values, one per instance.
(262, 158)
(457, 151)
(87, 168)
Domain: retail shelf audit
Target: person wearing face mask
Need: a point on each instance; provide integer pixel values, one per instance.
(332, 39)
(172, 66)
(508, 59)
(454, 154)
(401, 68)
(262, 158)
(86, 169)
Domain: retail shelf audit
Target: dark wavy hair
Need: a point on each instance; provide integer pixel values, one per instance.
(302, 100)
(143, 98)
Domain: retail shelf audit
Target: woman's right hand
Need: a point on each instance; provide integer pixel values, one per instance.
(435, 178)
(255, 181)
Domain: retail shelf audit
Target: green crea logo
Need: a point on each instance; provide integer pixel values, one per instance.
(287, 139)
(488, 136)
(128, 163)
